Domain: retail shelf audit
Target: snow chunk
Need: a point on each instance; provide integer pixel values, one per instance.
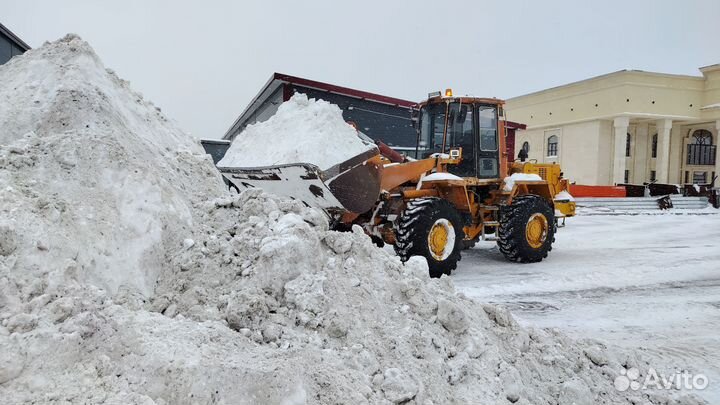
(398, 386)
(451, 316)
(441, 176)
(301, 131)
(188, 243)
(564, 195)
(7, 239)
(12, 361)
(510, 180)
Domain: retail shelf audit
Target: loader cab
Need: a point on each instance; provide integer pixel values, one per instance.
(470, 123)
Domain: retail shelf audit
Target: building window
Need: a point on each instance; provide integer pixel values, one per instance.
(702, 137)
(699, 177)
(653, 175)
(701, 150)
(552, 146)
(654, 146)
(526, 147)
(628, 143)
(627, 176)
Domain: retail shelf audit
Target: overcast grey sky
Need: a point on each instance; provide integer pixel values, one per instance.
(203, 61)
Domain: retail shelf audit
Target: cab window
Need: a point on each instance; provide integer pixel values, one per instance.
(432, 126)
(488, 128)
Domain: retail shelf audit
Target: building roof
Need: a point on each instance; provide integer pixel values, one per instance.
(514, 125)
(710, 68)
(19, 42)
(279, 79)
(607, 75)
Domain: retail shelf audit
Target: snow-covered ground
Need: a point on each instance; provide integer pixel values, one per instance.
(648, 281)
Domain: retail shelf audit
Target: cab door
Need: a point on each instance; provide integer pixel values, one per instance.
(461, 132)
(487, 141)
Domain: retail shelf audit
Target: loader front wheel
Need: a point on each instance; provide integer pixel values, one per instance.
(527, 229)
(432, 228)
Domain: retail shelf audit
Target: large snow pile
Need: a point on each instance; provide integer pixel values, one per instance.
(125, 280)
(95, 181)
(301, 131)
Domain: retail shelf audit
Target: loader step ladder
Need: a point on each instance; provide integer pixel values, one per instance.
(500, 193)
(490, 237)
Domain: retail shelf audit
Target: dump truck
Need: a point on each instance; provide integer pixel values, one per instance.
(462, 188)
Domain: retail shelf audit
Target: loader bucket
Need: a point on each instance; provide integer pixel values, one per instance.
(351, 186)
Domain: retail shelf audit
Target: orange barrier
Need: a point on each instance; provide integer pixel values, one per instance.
(578, 190)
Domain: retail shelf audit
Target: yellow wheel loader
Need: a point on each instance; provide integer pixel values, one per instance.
(435, 206)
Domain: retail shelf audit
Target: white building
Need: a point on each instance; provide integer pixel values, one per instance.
(625, 127)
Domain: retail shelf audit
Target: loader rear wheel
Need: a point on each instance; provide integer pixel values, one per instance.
(527, 229)
(432, 228)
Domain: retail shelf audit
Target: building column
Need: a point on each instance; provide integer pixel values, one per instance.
(640, 155)
(716, 141)
(662, 164)
(621, 129)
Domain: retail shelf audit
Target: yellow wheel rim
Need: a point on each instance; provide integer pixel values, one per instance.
(536, 230)
(441, 239)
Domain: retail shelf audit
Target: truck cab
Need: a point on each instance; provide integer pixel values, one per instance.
(471, 123)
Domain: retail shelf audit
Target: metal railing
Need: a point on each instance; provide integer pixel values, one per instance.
(701, 154)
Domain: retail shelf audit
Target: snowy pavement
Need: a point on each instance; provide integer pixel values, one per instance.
(637, 281)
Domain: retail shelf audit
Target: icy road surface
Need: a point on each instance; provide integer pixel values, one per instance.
(647, 281)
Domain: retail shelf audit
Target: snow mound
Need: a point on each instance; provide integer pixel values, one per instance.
(129, 276)
(95, 181)
(510, 180)
(301, 131)
(346, 321)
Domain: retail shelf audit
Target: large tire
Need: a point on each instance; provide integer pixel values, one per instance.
(431, 228)
(527, 229)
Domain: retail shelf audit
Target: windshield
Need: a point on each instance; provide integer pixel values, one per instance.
(460, 133)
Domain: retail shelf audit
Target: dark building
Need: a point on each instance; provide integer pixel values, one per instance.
(10, 45)
(380, 117)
